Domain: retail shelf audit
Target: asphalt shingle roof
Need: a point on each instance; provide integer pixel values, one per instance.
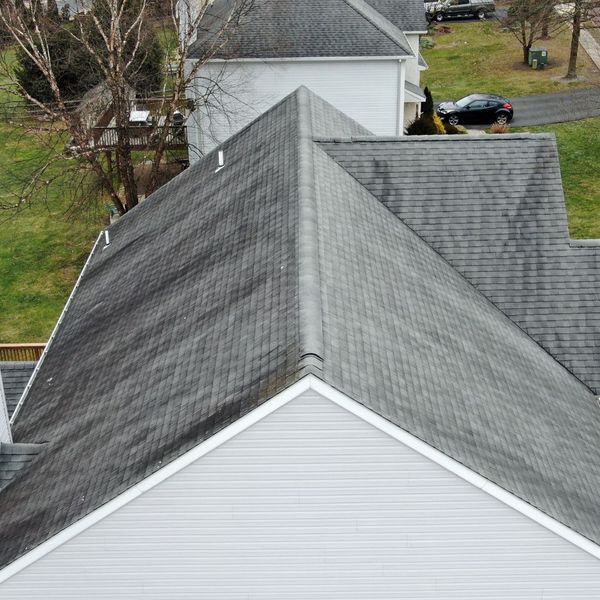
(407, 15)
(500, 222)
(15, 376)
(310, 28)
(223, 288)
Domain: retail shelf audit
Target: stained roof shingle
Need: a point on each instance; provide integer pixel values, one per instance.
(501, 223)
(310, 28)
(203, 307)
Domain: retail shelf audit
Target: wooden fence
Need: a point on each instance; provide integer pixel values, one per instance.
(21, 352)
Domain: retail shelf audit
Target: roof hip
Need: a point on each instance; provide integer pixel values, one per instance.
(311, 312)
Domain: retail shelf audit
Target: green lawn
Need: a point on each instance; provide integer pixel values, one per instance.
(579, 149)
(477, 56)
(42, 248)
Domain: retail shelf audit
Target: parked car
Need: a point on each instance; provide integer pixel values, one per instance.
(445, 9)
(477, 108)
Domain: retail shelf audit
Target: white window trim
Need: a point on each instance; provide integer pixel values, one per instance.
(307, 383)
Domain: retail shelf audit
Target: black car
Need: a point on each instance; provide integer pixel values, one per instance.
(476, 108)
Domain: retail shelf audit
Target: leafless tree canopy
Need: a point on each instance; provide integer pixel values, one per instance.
(532, 20)
(112, 33)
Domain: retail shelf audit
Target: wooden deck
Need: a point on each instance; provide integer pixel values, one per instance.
(140, 138)
(21, 352)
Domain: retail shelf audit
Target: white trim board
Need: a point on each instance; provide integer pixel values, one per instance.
(308, 59)
(309, 382)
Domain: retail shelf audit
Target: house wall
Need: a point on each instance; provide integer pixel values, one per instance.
(365, 90)
(413, 74)
(312, 503)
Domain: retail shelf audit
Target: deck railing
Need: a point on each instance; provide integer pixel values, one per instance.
(141, 137)
(21, 352)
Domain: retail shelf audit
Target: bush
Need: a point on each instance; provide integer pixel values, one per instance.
(424, 125)
(439, 125)
(498, 128)
(454, 129)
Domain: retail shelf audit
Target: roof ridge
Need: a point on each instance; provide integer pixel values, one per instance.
(309, 285)
(381, 23)
(434, 138)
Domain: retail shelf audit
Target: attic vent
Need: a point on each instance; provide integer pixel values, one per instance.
(221, 161)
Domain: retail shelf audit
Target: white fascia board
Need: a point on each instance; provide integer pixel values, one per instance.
(309, 382)
(413, 32)
(53, 334)
(310, 59)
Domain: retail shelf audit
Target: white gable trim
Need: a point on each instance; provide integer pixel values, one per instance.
(309, 382)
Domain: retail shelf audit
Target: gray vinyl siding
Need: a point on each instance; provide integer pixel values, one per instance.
(365, 90)
(312, 503)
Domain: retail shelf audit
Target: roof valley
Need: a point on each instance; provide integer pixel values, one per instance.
(309, 284)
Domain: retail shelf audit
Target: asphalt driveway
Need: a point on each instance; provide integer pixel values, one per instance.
(544, 109)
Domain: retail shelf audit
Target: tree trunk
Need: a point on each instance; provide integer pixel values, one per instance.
(546, 27)
(572, 71)
(526, 48)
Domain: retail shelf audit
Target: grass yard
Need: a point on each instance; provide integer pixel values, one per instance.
(42, 249)
(477, 56)
(579, 149)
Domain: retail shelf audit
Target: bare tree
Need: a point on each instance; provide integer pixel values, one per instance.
(576, 14)
(111, 33)
(532, 20)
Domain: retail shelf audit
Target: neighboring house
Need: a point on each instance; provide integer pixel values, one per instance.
(360, 55)
(268, 385)
(75, 7)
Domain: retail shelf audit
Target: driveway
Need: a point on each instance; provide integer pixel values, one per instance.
(571, 105)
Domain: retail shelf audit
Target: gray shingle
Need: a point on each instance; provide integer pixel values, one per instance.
(200, 310)
(501, 222)
(15, 376)
(310, 28)
(14, 458)
(407, 15)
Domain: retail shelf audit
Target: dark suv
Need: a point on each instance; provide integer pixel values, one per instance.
(477, 108)
(445, 9)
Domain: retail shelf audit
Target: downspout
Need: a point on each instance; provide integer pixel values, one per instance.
(401, 85)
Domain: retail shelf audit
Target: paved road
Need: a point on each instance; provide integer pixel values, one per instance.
(570, 105)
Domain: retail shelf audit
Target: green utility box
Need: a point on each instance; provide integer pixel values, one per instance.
(538, 57)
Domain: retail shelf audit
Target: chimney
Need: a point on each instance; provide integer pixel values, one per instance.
(5, 435)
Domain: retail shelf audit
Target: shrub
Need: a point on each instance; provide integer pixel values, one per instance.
(498, 128)
(454, 129)
(424, 125)
(439, 125)
(427, 107)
